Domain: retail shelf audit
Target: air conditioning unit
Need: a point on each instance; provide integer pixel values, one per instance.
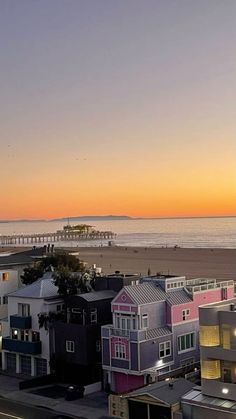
(151, 378)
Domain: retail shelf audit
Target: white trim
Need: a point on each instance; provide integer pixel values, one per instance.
(72, 343)
(145, 315)
(120, 352)
(185, 314)
(164, 343)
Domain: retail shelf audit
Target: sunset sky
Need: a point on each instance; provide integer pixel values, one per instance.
(117, 107)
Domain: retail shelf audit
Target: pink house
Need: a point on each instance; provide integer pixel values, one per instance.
(155, 329)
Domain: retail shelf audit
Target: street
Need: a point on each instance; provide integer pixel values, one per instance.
(13, 410)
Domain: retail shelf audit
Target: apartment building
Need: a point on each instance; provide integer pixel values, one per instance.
(26, 346)
(217, 395)
(155, 329)
(8, 283)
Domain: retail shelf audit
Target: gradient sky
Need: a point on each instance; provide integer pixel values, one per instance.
(117, 106)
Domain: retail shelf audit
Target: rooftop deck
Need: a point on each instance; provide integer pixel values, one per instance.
(204, 284)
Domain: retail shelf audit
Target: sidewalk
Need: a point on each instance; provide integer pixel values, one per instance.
(92, 406)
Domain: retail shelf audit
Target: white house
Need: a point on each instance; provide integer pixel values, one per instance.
(25, 346)
(8, 283)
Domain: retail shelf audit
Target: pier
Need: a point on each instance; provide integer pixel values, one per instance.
(24, 239)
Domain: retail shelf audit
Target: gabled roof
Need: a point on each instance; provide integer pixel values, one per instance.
(167, 392)
(145, 293)
(98, 295)
(42, 288)
(178, 297)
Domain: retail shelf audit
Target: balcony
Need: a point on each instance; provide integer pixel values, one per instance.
(120, 332)
(20, 346)
(20, 322)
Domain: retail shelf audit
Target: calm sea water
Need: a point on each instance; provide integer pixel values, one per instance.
(188, 232)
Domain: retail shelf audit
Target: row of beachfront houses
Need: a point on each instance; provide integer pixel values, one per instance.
(138, 330)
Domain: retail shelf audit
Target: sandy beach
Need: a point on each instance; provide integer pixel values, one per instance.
(212, 263)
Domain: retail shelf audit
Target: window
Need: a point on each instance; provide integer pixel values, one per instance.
(4, 299)
(186, 342)
(120, 351)
(134, 323)
(144, 321)
(209, 335)
(118, 322)
(35, 336)
(164, 349)
(70, 346)
(98, 346)
(210, 369)
(125, 321)
(24, 310)
(24, 335)
(185, 314)
(58, 307)
(93, 316)
(5, 276)
(14, 334)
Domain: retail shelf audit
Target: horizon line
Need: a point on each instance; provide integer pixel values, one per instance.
(115, 218)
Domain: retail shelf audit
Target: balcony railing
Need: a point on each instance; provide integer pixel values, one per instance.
(20, 322)
(15, 345)
(120, 332)
(197, 285)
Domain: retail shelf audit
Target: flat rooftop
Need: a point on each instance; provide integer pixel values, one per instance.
(195, 397)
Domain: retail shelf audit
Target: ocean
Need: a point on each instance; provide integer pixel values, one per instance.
(183, 232)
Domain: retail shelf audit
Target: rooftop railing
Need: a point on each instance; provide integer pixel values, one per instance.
(205, 285)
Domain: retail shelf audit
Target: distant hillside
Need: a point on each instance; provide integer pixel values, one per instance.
(95, 218)
(79, 218)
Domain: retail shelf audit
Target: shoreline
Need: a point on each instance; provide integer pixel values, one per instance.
(216, 263)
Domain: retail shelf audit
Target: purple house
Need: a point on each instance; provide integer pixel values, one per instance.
(155, 329)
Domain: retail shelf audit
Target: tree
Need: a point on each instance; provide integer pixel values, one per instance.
(31, 275)
(62, 259)
(65, 281)
(70, 283)
(55, 261)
